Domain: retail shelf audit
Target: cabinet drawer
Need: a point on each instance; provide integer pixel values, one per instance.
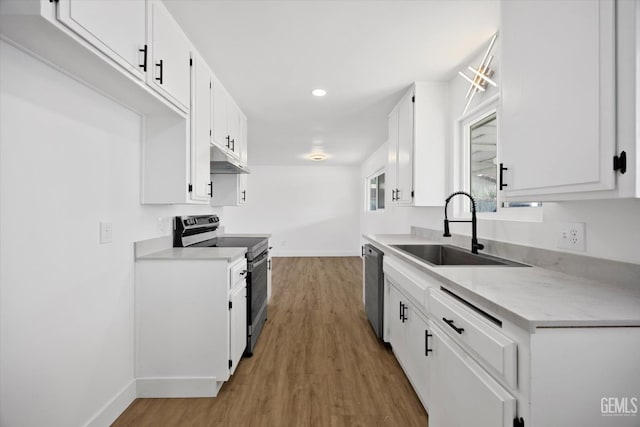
(495, 350)
(238, 272)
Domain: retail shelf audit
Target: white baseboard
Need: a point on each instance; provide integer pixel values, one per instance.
(115, 407)
(178, 387)
(284, 254)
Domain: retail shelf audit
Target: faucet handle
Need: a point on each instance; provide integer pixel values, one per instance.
(446, 229)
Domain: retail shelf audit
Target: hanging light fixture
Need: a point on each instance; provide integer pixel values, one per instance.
(481, 76)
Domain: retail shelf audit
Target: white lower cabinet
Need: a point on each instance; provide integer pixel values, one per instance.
(462, 393)
(408, 336)
(471, 366)
(237, 315)
(190, 325)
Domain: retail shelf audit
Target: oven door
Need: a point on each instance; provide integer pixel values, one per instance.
(257, 298)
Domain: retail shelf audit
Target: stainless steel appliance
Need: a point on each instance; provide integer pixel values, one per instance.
(200, 231)
(374, 288)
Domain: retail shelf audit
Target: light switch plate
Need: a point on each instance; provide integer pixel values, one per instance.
(106, 232)
(572, 236)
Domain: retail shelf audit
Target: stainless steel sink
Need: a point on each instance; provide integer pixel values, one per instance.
(452, 255)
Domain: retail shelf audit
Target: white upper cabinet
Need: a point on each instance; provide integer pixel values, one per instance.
(400, 160)
(96, 21)
(558, 116)
(416, 172)
(233, 120)
(201, 98)
(220, 96)
(170, 56)
(227, 126)
(244, 140)
(404, 185)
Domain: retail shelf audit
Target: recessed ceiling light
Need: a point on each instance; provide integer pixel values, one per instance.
(317, 157)
(319, 92)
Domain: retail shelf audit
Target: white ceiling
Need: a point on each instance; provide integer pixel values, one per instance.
(365, 54)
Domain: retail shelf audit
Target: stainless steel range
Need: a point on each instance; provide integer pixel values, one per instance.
(200, 231)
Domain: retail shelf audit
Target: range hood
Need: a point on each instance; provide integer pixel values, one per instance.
(223, 162)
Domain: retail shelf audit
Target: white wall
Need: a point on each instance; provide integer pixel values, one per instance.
(309, 210)
(392, 219)
(70, 158)
(612, 226)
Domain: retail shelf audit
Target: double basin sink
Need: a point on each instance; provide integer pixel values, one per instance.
(440, 255)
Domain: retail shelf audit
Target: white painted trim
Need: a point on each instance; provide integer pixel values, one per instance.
(277, 254)
(178, 387)
(114, 407)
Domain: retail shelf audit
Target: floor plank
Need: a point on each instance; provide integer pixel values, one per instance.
(316, 363)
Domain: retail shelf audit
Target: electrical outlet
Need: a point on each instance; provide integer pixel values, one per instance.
(572, 236)
(106, 232)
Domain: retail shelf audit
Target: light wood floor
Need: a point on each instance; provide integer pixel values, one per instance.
(316, 363)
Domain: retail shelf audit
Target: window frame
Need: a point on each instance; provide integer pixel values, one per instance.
(367, 193)
(462, 168)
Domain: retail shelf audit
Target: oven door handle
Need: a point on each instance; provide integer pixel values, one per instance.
(256, 264)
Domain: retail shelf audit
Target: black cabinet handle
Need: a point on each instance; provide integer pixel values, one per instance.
(244, 195)
(450, 323)
(427, 350)
(400, 310)
(397, 194)
(210, 189)
(144, 60)
(228, 138)
(243, 273)
(160, 64)
(269, 265)
(404, 313)
(233, 145)
(393, 195)
(270, 247)
(502, 169)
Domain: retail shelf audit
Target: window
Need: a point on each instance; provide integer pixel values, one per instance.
(374, 191)
(483, 138)
(476, 153)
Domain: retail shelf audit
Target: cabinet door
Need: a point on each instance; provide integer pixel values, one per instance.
(233, 127)
(244, 141)
(405, 150)
(200, 129)
(461, 393)
(557, 124)
(238, 325)
(243, 178)
(221, 135)
(397, 332)
(94, 21)
(391, 175)
(418, 358)
(171, 54)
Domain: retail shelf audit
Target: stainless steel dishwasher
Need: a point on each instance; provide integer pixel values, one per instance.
(374, 288)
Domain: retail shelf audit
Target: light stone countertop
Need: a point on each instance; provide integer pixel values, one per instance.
(227, 254)
(530, 297)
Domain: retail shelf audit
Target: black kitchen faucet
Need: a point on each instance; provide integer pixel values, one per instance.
(475, 246)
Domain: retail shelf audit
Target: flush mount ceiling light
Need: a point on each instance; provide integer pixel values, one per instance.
(481, 75)
(319, 92)
(317, 157)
